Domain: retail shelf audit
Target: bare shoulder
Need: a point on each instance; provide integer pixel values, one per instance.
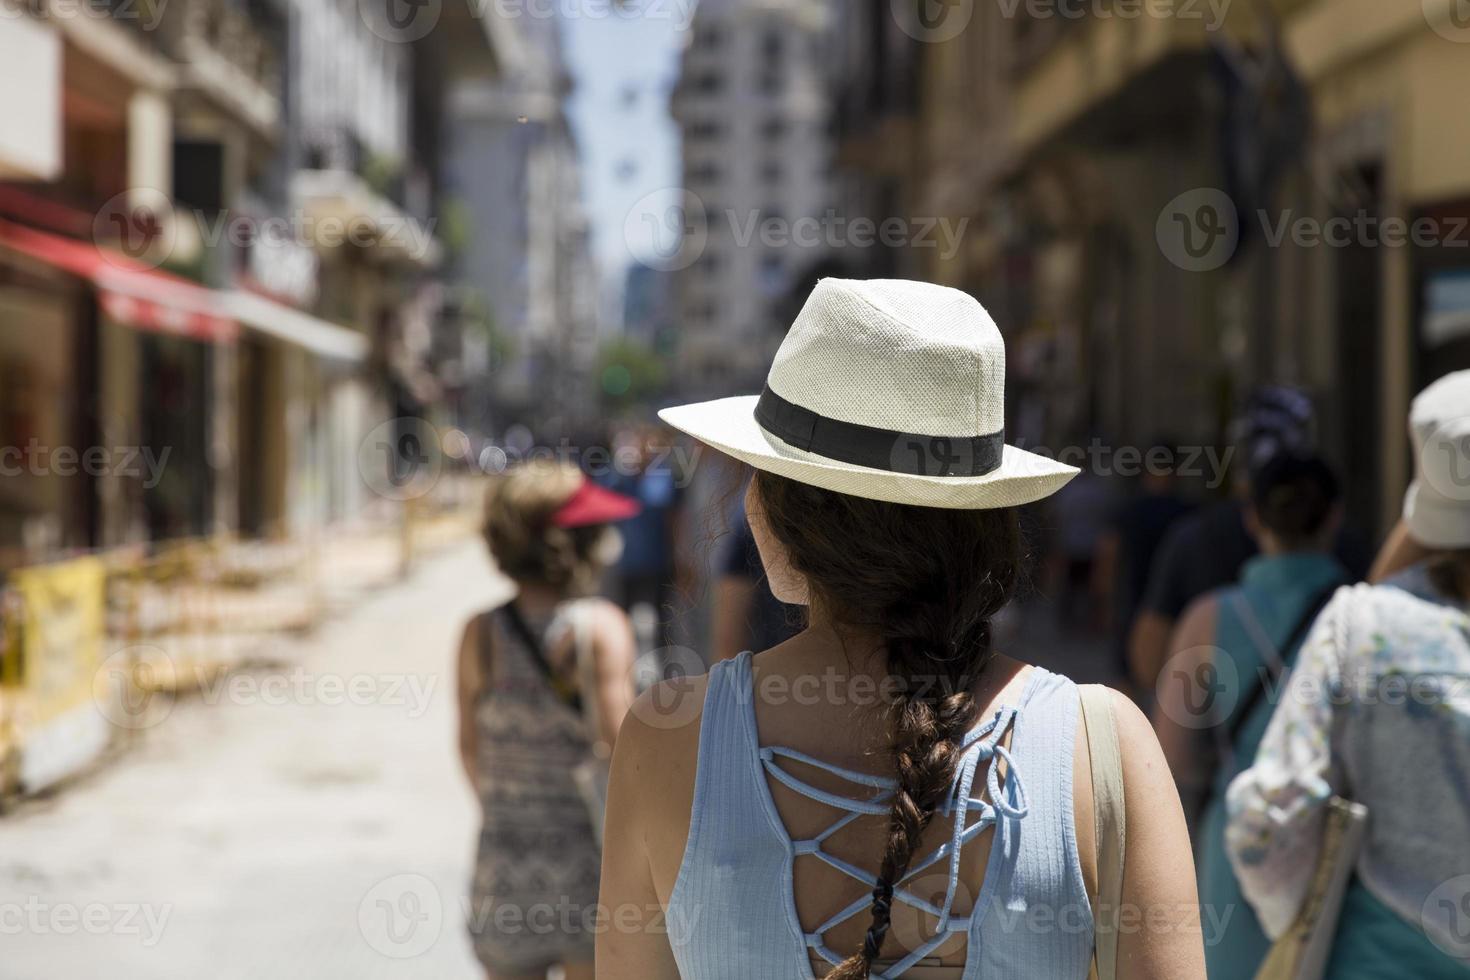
(606, 614)
(663, 724)
(1147, 780)
(655, 765)
(1197, 623)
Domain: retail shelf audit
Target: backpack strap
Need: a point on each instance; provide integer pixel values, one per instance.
(1280, 654)
(1111, 825)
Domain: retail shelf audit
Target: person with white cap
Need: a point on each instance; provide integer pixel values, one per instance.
(885, 794)
(1377, 710)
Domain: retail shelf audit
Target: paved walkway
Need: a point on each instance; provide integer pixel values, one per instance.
(310, 822)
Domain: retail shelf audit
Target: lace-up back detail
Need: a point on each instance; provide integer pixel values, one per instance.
(733, 911)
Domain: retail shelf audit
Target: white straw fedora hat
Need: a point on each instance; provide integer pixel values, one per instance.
(886, 389)
(1437, 506)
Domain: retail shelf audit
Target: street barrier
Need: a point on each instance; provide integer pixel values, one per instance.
(84, 640)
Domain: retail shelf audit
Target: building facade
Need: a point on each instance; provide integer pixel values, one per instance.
(525, 271)
(752, 106)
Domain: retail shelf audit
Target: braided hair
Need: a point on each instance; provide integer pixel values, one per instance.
(926, 581)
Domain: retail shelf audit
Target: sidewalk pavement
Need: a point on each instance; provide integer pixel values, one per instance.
(308, 820)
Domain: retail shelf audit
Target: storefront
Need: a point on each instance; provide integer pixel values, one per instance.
(120, 385)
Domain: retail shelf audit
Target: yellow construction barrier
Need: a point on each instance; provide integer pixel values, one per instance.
(50, 724)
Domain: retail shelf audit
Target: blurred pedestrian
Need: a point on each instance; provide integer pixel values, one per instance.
(747, 615)
(647, 571)
(818, 804)
(1127, 549)
(544, 683)
(1243, 639)
(1207, 549)
(1376, 711)
(1080, 513)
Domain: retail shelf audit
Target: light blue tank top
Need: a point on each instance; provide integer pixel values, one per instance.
(732, 914)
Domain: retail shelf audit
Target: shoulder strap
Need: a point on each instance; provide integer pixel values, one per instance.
(1109, 814)
(1298, 632)
(566, 692)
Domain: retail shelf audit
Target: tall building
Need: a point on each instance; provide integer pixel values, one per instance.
(752, 106)
(514, 171)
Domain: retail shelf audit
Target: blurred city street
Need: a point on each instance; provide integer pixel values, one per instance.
(286, 808)
(317, 314)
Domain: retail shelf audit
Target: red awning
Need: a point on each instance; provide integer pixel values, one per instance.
(129, 291)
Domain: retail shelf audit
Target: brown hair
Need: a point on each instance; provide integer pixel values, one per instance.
(926, 581)
(526, 545)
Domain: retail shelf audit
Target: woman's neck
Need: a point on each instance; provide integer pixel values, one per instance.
(537, 597)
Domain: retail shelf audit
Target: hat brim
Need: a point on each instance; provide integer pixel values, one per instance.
(595, 504)
(1434, 520)
(729, 425)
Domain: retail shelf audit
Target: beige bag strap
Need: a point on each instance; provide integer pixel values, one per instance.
(1110, 817)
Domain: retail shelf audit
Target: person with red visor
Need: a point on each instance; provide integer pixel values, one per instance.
(544, 683)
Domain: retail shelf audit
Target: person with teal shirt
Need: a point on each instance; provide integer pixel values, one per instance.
(1377, 711)
(1216, 694)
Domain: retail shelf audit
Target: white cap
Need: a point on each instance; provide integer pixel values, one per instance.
(1437, 506)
